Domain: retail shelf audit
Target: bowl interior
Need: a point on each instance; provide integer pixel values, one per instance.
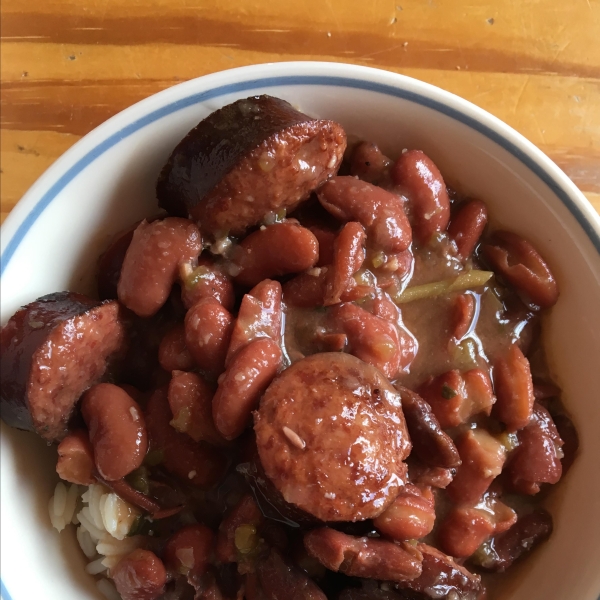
(107, 182)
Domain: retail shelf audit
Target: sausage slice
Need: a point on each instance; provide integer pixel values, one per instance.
(52, 350)
(332, 437)
(249, 158)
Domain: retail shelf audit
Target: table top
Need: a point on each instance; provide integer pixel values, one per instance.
(69, 65)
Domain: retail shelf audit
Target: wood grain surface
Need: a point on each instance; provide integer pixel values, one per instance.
(67, 65)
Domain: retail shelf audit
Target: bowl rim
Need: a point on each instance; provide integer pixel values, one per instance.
(267, 75)
(157, 106)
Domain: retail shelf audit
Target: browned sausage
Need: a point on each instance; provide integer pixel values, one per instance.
(195, 462)
(247, 376)
(467, 225)
(332, 438)
(441, 576)
(117, 430)
(208, 327)
(520, 264)
(190, 400)
(370, 164)
(364, 557)
(276, 250)
(537, 457)
(430, 444)
(141, 575)
(52, 350)
(152, 262)
(422, 182)
(252, 157)
(76, 458)
(281, 581)
(379, 211)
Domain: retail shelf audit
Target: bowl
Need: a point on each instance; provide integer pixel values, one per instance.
(106, 181)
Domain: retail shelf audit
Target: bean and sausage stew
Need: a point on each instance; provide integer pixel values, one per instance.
(315, 375)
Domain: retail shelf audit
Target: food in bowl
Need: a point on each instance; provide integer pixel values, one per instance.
(327, 382)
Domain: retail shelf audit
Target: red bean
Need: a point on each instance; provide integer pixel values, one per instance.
(517, 261)
(151, 265)
(246, 378)
(363, 557)
(326, 238)
(411, 515)
(76, 458)
(369, 163)
(380, 212)
(173, 354)
(463, 313)
(276, 250)
(306, 290)
(422, 182)
(483, 457)
(117, 430)
(194, 462)
(536, 459)
(568, 434)
(436, 477)
(463, 530)
(187, 551)
(207, 280)
(467, 225)
(349, 255)
(374, 340)
(455, 397)
(190, 400)
(514, 389)
(208, 327)
(246, 512)
(260, 316)
(141, 575)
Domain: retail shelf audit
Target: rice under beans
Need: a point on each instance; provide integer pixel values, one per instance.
(103, 522)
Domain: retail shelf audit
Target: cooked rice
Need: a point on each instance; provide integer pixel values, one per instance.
(95, 567)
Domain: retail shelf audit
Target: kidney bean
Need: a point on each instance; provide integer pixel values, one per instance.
(152, 261)
(306, 290)
(260, 316)
(173, 354)
(109, 265)
(368, 593)
(568, 434)
(246, 378)
(281, 581)
(349, 255)
(76, 458)
(514, 389)
(503, 550)
(276, 250)
(411, 515)
(430, 444)
(330, 342)
(467, 225)
(193, 462)
(374, 340)
(208, 328)
(369, 163)
(190, 400)
(207, 587)
(454, 397)
(117, 430)
(380, 212)
(517, 261)
(442, 577)
(141, 575)
(462, 315)
(326, 238)
(537, 457)
(424, 186)
(207, 280)
(370, 558)
(246, 512)
(436, 477)
(483, 457)
(188, 550)
(463, 530)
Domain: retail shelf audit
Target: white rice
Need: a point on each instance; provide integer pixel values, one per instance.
(85, 542)
(60, 499)
(107, 589)
(95, 567)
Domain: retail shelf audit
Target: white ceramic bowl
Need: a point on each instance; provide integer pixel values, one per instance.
(106, 181)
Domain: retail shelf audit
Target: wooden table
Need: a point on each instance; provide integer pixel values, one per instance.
(67, 65)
